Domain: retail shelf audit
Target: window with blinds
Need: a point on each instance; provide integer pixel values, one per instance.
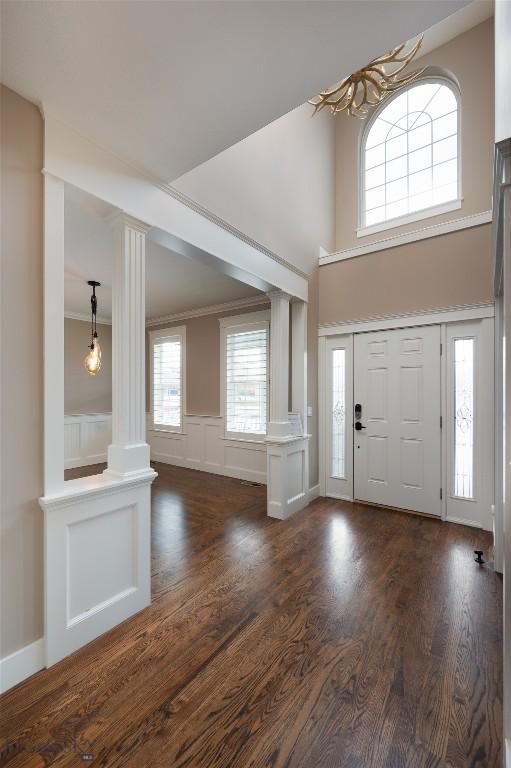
(246, 353)
(167, 381)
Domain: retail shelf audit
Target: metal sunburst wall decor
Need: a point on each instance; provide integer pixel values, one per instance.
(370, 85)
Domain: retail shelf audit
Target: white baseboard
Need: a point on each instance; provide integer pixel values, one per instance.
(462, 521)
(313, 493)
(21, 664)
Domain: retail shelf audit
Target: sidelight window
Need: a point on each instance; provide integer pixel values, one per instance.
(464, 374)
(338, 413)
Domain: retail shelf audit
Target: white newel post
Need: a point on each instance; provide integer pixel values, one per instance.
(129, 452)
(287, 449)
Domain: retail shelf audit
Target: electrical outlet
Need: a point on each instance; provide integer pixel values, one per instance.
(309, 411)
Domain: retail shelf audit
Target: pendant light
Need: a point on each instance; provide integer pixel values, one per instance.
(92, 362)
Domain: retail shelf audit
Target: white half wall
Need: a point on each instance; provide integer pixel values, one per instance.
(202, 446)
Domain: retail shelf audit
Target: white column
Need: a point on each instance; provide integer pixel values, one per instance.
(53, 334)
(286, 453)
(129, 452)
(278, 425)
(299, 360)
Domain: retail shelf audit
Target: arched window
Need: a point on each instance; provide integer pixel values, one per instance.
(410, 155)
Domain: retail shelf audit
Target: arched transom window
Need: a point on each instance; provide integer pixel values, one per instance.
(410, 158)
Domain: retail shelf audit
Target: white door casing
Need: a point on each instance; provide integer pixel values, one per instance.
(397, 453)
(472, 322)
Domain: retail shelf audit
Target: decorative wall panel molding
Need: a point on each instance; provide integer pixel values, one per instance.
(202, 446)
(86, 438)
(97, 559)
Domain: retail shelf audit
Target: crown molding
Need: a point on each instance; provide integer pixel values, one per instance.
(403, 238)
(180, 197)
(433, 316)
(86, 318)
(207, 214)
(212, 309)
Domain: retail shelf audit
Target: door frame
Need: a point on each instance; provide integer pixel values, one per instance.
(441, 317)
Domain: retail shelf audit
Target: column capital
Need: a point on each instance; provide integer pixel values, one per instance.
(277, 294)
(121, 218)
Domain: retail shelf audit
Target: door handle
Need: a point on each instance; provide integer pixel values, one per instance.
(359, 426)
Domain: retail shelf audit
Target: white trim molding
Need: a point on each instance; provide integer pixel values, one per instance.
(403, 238)
(207, 214)
(180, 223)
(188, 314)
(21, 664)
(86, 318)
(212, 309)
(411, 218)
(428, 317)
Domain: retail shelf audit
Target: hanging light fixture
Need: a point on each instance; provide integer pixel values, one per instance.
(92, 362)
(370, 85)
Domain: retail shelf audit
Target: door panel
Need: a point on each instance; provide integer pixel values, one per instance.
(397, 453)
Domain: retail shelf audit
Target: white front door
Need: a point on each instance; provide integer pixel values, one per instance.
(397, 448)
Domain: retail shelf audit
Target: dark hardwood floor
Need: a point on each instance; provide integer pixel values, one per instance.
(346, 637)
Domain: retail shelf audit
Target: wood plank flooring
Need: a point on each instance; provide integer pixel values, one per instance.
(346, 637)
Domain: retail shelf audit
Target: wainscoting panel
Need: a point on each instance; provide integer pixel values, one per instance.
(86, 438)
(202, 446)
(97, 559)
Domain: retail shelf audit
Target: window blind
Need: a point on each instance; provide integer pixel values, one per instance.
(167, 382)
(246, 381)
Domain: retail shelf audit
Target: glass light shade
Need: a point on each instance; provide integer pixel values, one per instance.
(92, 362)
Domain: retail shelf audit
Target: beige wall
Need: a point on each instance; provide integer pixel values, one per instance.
(21, 373)
(202, 361)
(84, 393)
(470, 59)
(445, 271)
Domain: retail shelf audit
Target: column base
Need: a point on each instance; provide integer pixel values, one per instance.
(287, 476)
(126, 461)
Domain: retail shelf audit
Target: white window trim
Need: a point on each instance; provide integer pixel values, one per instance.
(425, 213)
(410, 218)
(240, 323)
(178, 331)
